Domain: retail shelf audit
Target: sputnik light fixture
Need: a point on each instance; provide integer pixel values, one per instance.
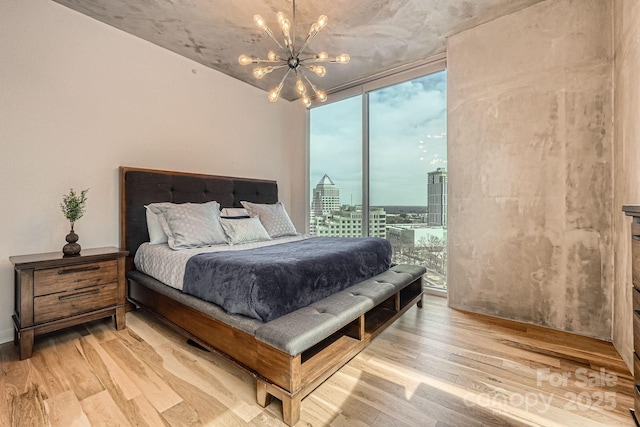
(294, 60)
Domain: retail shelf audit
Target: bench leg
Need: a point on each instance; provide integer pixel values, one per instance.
(290, 404)
(291, 409)
(263, 397)
(420, 302)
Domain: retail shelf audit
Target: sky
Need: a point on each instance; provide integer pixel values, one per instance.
(407, 129)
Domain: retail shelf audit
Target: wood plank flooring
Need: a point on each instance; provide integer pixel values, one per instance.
(434, 367)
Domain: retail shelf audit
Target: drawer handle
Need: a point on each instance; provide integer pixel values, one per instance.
(77, 270)
(80, 294)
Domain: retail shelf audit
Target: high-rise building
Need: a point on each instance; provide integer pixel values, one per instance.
(326, 197)
(328, 218)
(437, 198)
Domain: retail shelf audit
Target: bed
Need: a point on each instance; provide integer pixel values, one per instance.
(289, 353)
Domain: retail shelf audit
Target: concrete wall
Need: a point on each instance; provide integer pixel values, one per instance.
(530, 167)
(626, 163)
(79, 98)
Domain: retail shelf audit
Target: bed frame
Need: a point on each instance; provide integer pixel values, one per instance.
(278, 374)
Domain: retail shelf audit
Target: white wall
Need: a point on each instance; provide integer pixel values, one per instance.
(78, 99)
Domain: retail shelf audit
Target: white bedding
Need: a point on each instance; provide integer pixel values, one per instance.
(167, 265)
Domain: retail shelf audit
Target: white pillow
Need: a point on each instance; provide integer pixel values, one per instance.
(156, 233)
(237, 212)
(273, 217)
(191, 225)
(244, 230)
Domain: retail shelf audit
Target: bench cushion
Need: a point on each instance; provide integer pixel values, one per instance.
(295, 332)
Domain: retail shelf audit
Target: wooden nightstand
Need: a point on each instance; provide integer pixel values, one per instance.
(53, 291)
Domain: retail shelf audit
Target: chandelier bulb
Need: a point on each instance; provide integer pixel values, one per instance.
(284, 23)
(245, 60)
(260, 22)
(306, 101)
(259, 72)
(272, 56)
(321, 95)
(274, 94)
(300, 87)
(319, 70)
(343, 59)
(322, 22)
(321, 57)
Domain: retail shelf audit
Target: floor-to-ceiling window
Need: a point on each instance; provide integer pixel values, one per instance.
(335, 169)
(378, 167)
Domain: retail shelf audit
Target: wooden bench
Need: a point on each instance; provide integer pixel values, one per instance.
(292, 355)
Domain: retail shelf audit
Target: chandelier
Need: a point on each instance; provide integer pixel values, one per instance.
(294, 60)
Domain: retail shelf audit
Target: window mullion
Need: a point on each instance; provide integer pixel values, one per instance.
(365, 163)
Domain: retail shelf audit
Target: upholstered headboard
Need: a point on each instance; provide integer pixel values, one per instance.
(139, 187)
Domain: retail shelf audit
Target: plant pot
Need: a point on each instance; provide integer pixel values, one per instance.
(71, 248)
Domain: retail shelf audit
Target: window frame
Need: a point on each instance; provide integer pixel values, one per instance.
(362, 88)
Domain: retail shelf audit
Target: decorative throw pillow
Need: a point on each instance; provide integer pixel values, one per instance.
(156, 233)
(235, 212)
(244, 230)
(273, 217)
(191, 225)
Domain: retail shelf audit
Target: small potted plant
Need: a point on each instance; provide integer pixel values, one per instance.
(73, 206)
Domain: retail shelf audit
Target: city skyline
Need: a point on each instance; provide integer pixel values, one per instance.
(407, 141)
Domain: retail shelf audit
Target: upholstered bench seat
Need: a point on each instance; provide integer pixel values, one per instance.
(299, 330)
(295, 332)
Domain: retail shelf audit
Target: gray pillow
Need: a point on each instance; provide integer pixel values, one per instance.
(273, 217)
(191, 225)
(156, 232)
(244, 230)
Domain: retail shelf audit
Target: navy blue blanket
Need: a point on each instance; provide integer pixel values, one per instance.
(266, 283)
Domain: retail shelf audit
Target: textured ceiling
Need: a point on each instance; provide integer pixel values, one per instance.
(379, 35)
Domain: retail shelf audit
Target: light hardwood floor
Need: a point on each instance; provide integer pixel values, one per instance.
(434, 367)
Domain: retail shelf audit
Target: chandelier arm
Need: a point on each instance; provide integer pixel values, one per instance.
(306, 43)
(312, 33)
(266, 61)
(268, 32)
(284, 77)
(311, 59)
(315, 59)
(293, 28)
(319, 94)
(313, 87)
(277, 67)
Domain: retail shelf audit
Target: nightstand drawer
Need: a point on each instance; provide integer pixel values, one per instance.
(636, 331)
(66, 304)
(635, 260)
(636, 375)
(70, 277)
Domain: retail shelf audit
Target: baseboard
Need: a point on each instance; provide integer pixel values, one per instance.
(6, 335)
(433, 291)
